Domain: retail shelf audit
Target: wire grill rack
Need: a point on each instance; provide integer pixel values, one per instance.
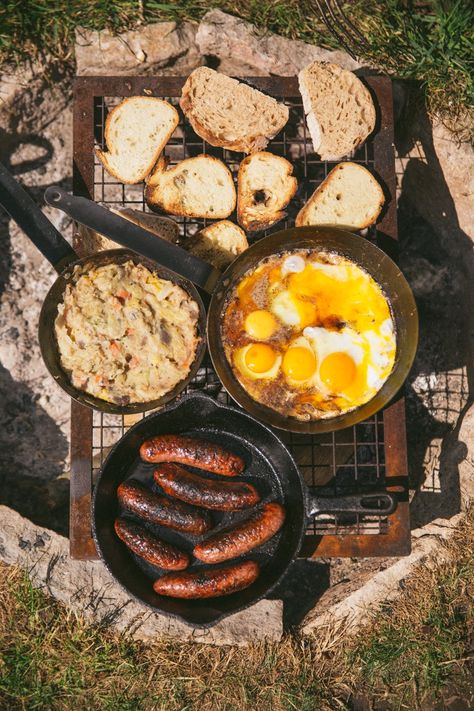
(365, 457)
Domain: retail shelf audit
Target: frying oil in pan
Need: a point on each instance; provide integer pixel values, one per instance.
(258, 471)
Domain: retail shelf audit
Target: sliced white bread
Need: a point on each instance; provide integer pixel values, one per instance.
(265, 187)
(136, 131)
(219, 243)
(196, 187)
(230, 114)
(340, 113)
(349, 197)
(163, 227)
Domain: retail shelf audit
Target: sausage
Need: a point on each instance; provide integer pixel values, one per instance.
(218, 495)
(208, 583)
(195, 452)
(142, 502)
(149, 547)
(243, 537)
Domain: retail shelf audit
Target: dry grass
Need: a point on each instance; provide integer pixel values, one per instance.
(51, 659)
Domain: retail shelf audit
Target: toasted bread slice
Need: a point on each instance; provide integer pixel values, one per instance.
(136, 131)
(228, 113)
(197, 187)
(349, 197)
(265, 187)
(219, 243)
(163, 227)
(340, 113)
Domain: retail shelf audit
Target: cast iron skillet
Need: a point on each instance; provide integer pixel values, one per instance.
(268, 464)
(60, 254)
(356, 248)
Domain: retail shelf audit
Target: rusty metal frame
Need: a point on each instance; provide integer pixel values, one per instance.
(395, 540)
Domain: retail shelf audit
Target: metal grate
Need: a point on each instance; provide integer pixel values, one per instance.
(344, 462)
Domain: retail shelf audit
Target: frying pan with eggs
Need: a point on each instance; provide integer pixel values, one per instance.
(352, 247)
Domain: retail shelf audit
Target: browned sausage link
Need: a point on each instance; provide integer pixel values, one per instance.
(137, 499)
(195, 452)
(208, 583)
(149, 547)
(243, 537)
(218, 495)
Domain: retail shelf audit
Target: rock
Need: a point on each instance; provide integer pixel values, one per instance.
(88, 589)
(160, 48)
(240, 49)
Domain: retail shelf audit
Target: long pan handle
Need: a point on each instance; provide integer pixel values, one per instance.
(26, 213)
(379, 503)
(134, 237)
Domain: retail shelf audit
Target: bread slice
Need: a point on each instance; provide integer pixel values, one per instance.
(136, 131)
(265, 187)
(163, 227)
(349, 197)
(340, 113)
(197, 187)
(219, 243)
(230, 114)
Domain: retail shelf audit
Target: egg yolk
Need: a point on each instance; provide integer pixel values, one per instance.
(259, 358)
(306, 312)
(337, 371)
(260, 324)
(298, 363)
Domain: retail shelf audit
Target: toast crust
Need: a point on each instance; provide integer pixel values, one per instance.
(103, 154)
(176, 206)
(271, 210)
(304, 215)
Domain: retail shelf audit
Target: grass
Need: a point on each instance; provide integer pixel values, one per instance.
(432, 44)
(50, 659)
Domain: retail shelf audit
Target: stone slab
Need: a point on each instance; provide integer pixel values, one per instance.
(159, 48)
(241, 49)
(88, 588)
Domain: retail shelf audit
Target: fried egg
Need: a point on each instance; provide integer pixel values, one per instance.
(293, 310)
(258, 361)
(299, 363)
(260, 324)
(351, 366)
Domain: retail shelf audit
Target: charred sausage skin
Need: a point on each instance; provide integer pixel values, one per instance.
(243, 537)
(208, 493)
(195, 452)
(208, 583)
(149, 547)
(142, 502)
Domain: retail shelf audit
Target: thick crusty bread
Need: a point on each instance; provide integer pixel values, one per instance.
(228, 113)
(136, 131)
(265, 187)
(163, 227)
(197, 187)
(349, 197)
(219, 243)
(340, 113)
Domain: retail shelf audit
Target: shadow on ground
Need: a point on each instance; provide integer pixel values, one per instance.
(33, 449)
(436, 257)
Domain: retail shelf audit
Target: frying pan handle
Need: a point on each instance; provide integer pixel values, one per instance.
(26, 213)
(379, 502)
(134, 237)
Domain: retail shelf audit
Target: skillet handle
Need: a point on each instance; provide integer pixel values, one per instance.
(134, 237)
(378, 502)
(27, 214)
